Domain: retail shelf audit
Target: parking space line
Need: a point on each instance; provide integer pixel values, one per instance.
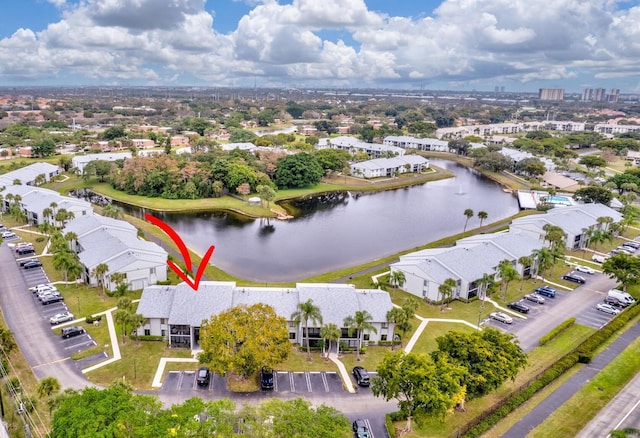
(180, 380)
(308, 378)
(90, 341)
(293, 385)
(324, 381)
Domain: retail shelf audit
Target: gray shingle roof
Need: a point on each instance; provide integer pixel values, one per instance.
(84, 224)
(156, 301)
(191, 307)
(336, 301)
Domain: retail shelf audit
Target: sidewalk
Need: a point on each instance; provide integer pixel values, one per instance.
(554, 400)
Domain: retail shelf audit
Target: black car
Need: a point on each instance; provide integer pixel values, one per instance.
(25, 250)
(69, 332)
(203, 377)
(360, 429)
(361, 375)
(266, 378)
(50, 299)
(574, 278)
(32, 264)
(518, 307)
(24, 262)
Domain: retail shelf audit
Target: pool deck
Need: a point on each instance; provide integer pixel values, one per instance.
(529, 199)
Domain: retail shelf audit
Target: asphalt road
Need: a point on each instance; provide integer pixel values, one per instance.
(25, 322)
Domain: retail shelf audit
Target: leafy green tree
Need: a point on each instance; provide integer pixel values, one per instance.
(359, 322)
(114, 133)
(239, 135)
(531, 167)
(43, 147)
(304, 312)
(494, 161)
(490, 356)
(421, 385)
(593, 161)
(594, 194)
(243, 339)
(460, 146)
(332, 159)
(624, 268)
(198, 124)
(297, 171)
(266, 193)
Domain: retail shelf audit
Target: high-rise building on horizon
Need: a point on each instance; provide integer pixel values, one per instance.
(551, 94)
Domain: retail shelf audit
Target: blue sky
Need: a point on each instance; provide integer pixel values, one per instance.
(522, 45)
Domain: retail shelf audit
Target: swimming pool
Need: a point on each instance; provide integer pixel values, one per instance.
(563, 200)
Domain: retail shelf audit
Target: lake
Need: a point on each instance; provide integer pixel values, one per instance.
(341, 230)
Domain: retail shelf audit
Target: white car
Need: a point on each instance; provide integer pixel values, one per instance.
(585, 269)
(43, 288)
(7, 234)
(61, 317)
(608, 308)
(502, 317)
(598, 258)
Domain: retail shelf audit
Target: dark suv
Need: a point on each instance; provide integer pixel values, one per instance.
(361, 375)
(203, 377)
(69, 332)
(25, 250)
(546, 291)
(518, 307)
(266, 378)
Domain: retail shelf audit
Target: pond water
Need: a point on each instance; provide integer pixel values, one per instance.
(341, 230)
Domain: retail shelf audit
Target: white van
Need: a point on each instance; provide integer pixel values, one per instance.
(598, 258)
(624, 298)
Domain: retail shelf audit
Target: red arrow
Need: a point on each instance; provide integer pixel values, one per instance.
(186, 257)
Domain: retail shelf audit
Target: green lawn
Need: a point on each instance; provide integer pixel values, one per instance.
(592, 397)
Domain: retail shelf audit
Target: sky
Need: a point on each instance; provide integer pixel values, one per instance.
(521, 45)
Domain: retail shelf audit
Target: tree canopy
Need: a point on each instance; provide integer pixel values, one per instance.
(297, 171)
(595, 194)
(243, 339)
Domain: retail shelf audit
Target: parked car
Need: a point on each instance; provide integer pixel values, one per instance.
(625, 298)
(203, 377)
(69, 332)
(574, 278)
(598, 258)
(502, 317)
(361, 375)
(32, 264)
(614, 302)
(59, 318)
(585, 269)
(266, 378)
(360, 429)
(25, 250)
(624, 250)
(632, 245)
(37, 287)
(7, 234)
(25, 261)
(518, 307)
(546, 291)
(607, 308)
(534, 297)
(23, 245)
(50, 299)
(47, 294)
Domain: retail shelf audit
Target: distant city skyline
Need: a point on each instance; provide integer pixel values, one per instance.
(483, 45)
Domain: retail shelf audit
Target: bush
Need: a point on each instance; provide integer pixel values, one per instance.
(40, 239)
(388, 422)
(91, 319)
(150, 338)
(556, 331)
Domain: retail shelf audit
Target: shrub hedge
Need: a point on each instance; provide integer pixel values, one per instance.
(582, 353)
(556, 331)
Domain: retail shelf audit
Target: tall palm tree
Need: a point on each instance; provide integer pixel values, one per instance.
(307, 311)
(48, 386)
(482, 215)
(525, 262)
(400, 319)
(543, 259)
(485, 282)
(70, 237)
(398, 278)
(507, 273)
(99, 272)
(359, 322)
(446, 290)
(62, 260)
(331, 333)
(469, 214)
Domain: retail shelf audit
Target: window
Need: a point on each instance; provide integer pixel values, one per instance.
(152, 270)
(383, 337)
(292, 335)
(163, 333)
(366, 336)
(385, 325)
(292, 324)
(147, 332)
(163, 321)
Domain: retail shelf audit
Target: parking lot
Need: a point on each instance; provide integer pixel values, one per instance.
(35, 276)
(285, 382)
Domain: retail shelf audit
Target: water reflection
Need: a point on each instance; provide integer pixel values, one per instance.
(338, 230)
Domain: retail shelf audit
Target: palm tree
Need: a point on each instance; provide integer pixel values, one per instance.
(75, 271)
(446, 290)
(331, 333)
(525, 262)
(47, 213)
(99, 272)
(359, 322)
(469, 214)
(48, 386)
(485, 282)
(400, 318)
(62, 260)
(112, 211)
(543, 258)
(398, 278)
(507, 273)
(71, 237)
(482, 215)
(307, 311)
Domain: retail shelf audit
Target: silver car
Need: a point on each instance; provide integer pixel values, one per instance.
(533, 297)
(502, 317)
(61, 317)
(608, 308)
